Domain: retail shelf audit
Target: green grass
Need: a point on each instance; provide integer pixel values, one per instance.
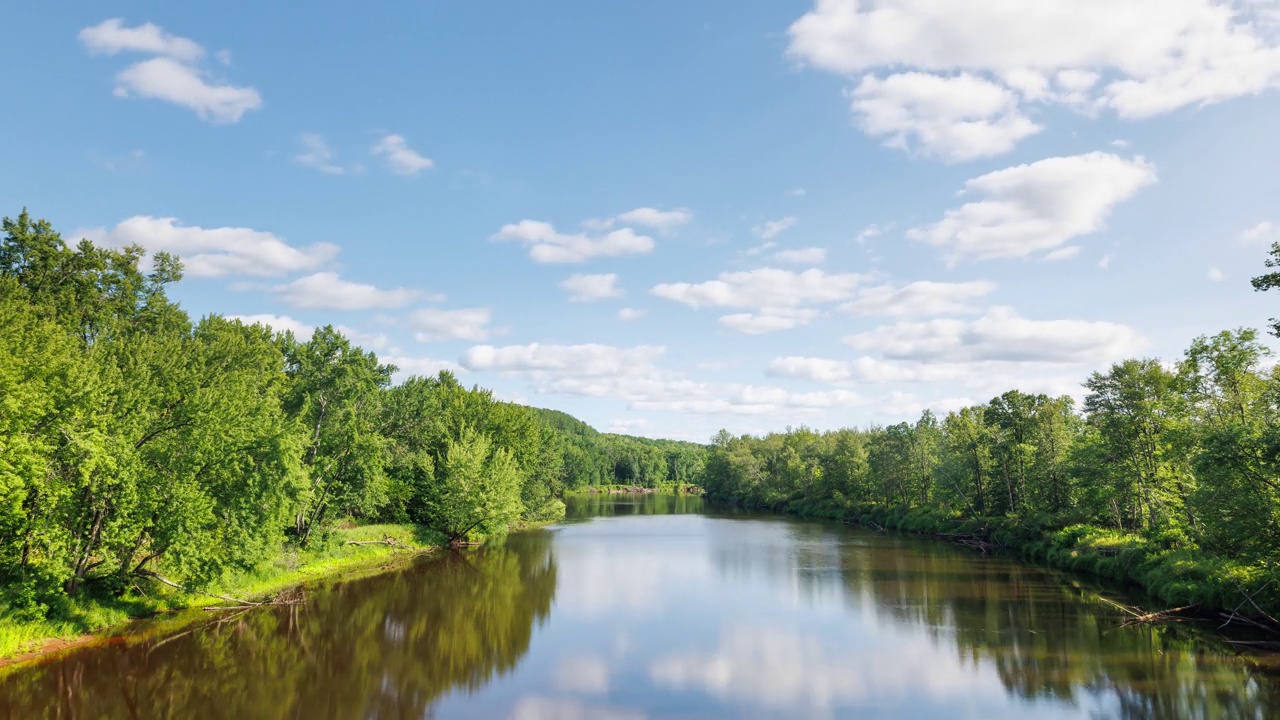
(330, 555)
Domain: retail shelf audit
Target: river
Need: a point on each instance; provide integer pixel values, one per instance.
(654, 607)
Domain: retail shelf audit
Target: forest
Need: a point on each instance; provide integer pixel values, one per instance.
(139, 446)
(1168, 474)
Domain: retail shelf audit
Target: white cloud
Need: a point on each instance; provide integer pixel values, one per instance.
(778, 297)
(214, 252)
(660, 220)
(1062, 253)
(1137, 58)
(1105, 262)
(111, 36)
(630, 314)
(278, 323)
(774, 228)
(586, 288)
(810, 368)
(762, 288)
(868, 233)
(954, 118)
(1216, 275)
(316, 154)
(1032, 208)
(431, 324)
(327, 291)
(920, 298)
(163, 78)
(802, 256)
(768, 320)
(173, 75)
(1001, 335)
(630, 374)
(1263, 232)
(401, 158)
(588, 360)
(422, 367)
(546, 245)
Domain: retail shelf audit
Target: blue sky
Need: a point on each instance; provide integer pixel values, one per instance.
(670, 217)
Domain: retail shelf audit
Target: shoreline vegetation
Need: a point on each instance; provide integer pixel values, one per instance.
(150, 461)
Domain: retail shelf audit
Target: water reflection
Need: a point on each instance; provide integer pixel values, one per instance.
(648, 607)
(383, 647)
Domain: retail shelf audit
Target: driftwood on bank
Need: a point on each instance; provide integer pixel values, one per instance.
(1138, 617)
(975, 542)
(290, 597)
(384, 541)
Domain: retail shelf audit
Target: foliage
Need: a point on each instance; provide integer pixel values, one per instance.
(135, 443)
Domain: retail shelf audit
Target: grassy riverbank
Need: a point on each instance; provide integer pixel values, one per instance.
(1165, 568)
(52, 622)
(663, 487)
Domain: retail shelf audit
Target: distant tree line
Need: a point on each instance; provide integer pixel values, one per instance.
(1182, 457)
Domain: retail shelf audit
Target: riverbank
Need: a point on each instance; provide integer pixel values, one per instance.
(661, 488)
(1165, 569)
(84, 620)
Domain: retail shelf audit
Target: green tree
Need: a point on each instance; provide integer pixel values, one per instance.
(475, 488)
(335, 394)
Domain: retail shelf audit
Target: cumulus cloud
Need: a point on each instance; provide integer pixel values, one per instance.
(166, 79)
(630, 314)
(278, 323)
(111, 37)
(632, 374)
(954, 118)
(586, 288)
(402, 159)
(921, 298)
(546, 245)
(660, 220)
(214, 252)
(1062, 253)
(810, 368)
(768, 320)
(1216, 275)
(327, 291)
(1001, 335)
(1137, 59)
(407, 366)
(1036, 207)
(780, 299)
(762, 288)
(432, 324)
(174, 75)
(773, 228)
(1263, 232)
(315, 154)
(802, 256)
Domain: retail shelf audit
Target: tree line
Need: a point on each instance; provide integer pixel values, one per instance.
(1176, 459)
(135, 440)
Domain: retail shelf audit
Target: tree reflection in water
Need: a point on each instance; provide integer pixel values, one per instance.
(381, 647)
(688, 615)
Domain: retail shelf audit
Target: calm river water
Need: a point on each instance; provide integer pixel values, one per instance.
(652, 607)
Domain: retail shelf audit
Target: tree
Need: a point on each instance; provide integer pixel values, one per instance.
(475, 488)
(335, 394)
(1270, 281)
(1137, 408)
